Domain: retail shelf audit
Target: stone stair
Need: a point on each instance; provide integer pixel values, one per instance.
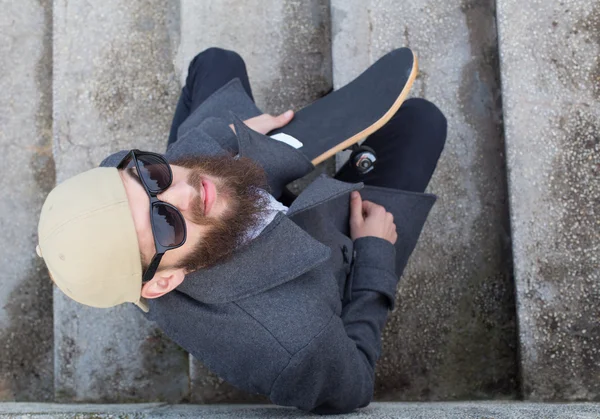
(84, 79)
(115, 86)
(431, 410)
(453, 333)
(551, 90)
(26, 341)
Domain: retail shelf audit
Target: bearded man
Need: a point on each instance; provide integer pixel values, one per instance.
(279, 295)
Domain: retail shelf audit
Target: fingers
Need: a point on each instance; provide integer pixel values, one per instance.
(370, 219)
(270, 122)
(283, 119)
(356, 210)
(265, 123)
(371, 208)
(389, 217)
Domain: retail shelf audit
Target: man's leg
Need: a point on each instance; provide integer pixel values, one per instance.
(408, 148)
(208, 72)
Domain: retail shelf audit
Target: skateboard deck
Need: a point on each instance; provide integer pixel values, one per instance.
(347, 115)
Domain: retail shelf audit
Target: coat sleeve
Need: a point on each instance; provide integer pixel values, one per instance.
(334, 373)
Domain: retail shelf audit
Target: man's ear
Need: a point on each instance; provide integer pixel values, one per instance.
(162, 283)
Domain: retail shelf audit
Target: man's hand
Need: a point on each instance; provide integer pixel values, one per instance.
(370, 219)
(266, 123)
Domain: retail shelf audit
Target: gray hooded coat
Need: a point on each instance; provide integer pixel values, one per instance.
(297, 313)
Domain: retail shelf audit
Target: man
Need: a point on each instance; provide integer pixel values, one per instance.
(283, 300)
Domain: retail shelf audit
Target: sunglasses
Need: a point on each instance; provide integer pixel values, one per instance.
(168, 225)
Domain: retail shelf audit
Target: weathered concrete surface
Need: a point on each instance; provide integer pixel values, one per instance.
(286, 45)
(464, 410)
(287, 49)
(453, 333)
(27, 175)
(115, 88)
(551, 89)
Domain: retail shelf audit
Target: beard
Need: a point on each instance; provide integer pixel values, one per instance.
(240, 183)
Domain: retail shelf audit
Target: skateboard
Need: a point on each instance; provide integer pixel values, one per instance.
(345, 116)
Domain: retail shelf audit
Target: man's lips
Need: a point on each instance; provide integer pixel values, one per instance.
(209, 195)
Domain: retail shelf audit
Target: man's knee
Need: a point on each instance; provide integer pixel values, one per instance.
(217, 57)
(432, 117)
(427, 110)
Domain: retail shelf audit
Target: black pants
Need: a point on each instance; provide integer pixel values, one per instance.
(408, 146)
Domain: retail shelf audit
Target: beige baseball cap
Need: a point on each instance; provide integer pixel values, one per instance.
(88, 240)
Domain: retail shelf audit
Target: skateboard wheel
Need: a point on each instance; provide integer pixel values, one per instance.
(363, 159)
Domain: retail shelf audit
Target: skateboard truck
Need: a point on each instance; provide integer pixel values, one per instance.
(363, 158)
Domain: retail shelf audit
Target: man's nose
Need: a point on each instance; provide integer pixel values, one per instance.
(180, 195)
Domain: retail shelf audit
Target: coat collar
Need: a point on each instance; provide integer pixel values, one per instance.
(246, 273)
(322, 189)
(282, 163)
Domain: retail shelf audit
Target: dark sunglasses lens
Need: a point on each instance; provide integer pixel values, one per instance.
(169, 226)
(154, 172)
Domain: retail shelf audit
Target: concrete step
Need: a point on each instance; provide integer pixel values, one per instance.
(27, 175)
(460, 410)
(286, 45)
(115, 87)
(453, 334)
(551, 92)
(287, 49)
